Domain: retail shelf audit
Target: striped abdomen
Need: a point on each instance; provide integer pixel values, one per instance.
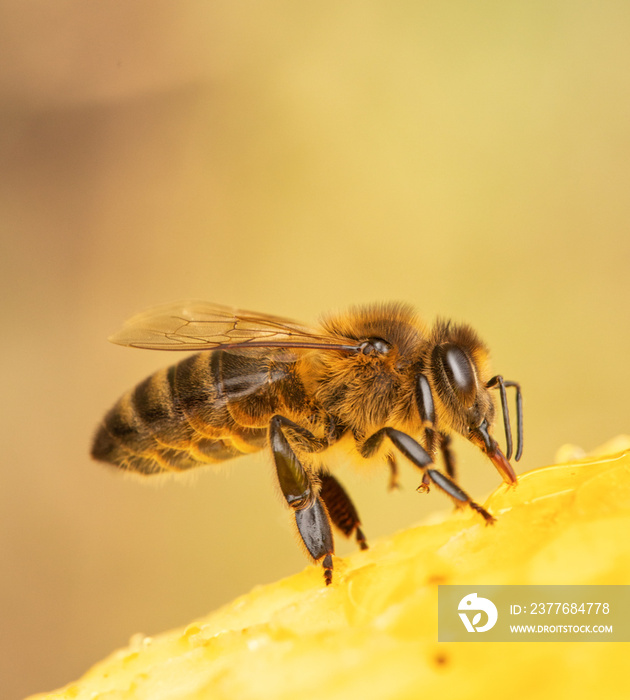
(210, 407)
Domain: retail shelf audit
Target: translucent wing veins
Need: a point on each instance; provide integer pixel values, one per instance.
(198, 325)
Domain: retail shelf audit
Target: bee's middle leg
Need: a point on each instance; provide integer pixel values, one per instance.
(298, 489)
(447, 455)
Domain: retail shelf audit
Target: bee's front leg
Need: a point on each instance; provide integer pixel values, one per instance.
(297, 487)
(418, 456)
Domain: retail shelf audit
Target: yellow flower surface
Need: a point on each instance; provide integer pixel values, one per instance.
(373, 633)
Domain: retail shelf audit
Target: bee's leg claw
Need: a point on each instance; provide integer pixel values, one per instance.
(327, 563)
(360, 537)
(424, 486)
(483, 512)
(458, 495)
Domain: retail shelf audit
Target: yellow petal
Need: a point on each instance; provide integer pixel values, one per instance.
(373, 633)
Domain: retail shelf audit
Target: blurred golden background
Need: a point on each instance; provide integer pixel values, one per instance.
(293, 159)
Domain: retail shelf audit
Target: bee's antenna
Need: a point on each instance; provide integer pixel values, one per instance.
(498, 381)
(519, 419)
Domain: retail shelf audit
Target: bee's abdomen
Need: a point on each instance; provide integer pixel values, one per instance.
(176, 419)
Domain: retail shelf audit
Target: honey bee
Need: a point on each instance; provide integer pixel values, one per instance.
(376, 378)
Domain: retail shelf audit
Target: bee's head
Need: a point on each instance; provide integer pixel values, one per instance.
(458, 364)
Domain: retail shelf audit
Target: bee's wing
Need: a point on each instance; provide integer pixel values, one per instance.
(199, 325)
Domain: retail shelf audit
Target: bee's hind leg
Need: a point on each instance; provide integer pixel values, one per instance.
(314, 528)
(311, 517)
(340, 508)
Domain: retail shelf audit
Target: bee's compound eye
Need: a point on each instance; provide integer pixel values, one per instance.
(459, 371)
(374, 346)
